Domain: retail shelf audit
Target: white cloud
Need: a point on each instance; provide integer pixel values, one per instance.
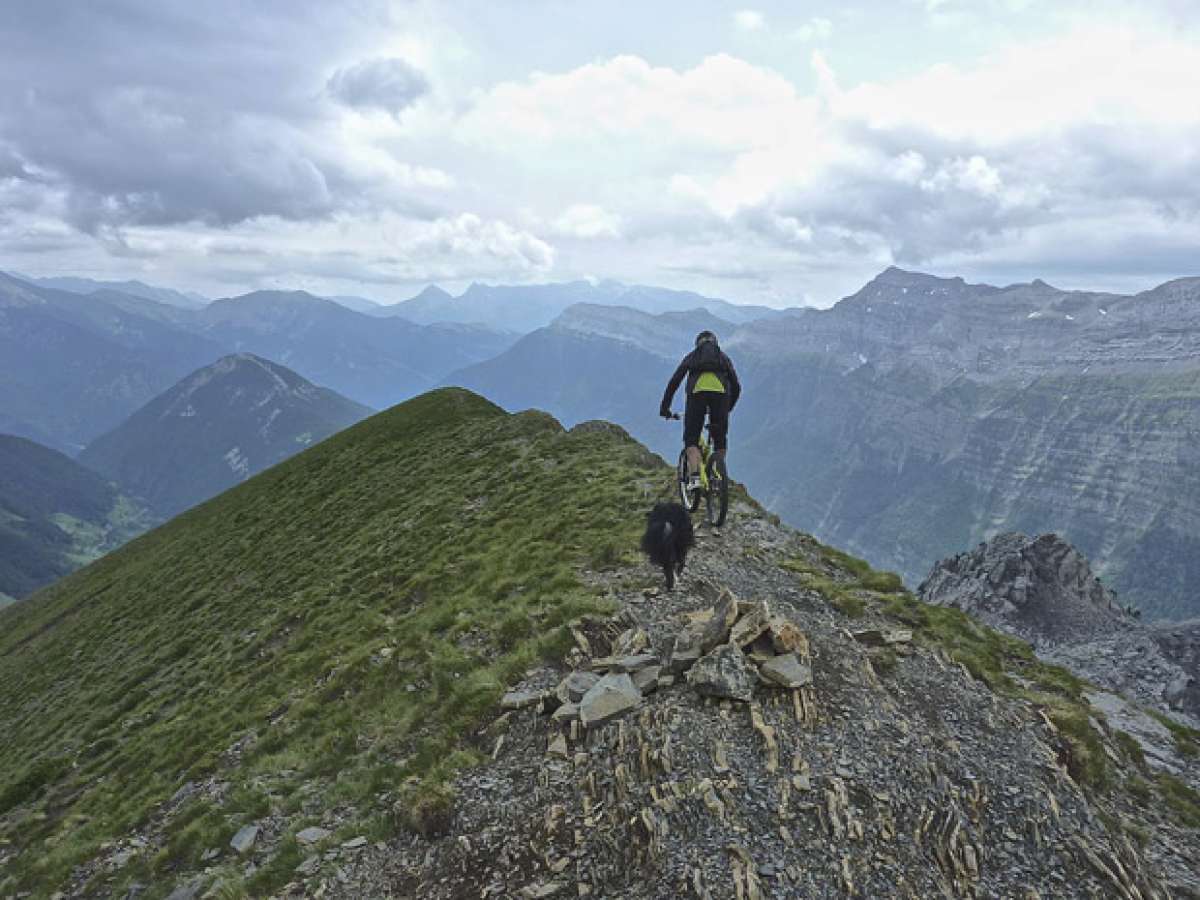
(586, 220)
(749, 20)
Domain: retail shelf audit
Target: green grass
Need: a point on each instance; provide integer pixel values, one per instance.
(445, 530)
(1187, 740)
(1182, 800)
(846, 582)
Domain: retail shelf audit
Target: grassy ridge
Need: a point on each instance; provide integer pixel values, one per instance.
(434, 546)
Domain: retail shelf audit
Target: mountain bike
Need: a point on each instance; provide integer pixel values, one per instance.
(714, 480)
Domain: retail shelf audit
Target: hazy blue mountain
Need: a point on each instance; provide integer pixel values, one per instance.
(216, 428)
(55, 515)
(922, 415)
(376, 361)
(358, 304)
(73, 366)
(523, 308)
(167, 296)
(596, 362)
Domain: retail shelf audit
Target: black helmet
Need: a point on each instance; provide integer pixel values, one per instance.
(705, 337)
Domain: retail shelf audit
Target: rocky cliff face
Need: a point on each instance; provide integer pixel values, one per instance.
(1043, 590)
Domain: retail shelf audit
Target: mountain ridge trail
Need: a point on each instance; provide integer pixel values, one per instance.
(896, 773)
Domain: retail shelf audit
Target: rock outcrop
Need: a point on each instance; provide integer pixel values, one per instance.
(1043, 590)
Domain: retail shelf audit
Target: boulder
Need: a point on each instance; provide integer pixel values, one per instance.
(786, 671)
(725, 672)
(244, 839)
(567, 712)
(646, 680)
(750, 625)
(572, 688)
(314, 834)
(612, 696)
(715, 629)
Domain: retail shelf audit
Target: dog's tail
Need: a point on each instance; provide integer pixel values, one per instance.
(656, 543)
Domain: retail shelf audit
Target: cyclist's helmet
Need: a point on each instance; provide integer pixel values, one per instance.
(705, 337)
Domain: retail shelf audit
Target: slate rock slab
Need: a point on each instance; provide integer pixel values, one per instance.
(612, 696)
(724, 673)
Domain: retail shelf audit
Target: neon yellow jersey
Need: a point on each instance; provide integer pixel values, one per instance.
(708, 381)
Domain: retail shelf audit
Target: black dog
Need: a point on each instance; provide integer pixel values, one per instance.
(668, 538)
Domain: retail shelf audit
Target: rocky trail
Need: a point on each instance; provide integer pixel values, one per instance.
(867, 764)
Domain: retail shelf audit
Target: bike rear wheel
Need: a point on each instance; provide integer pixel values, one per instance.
(717, 498)
(689, 499)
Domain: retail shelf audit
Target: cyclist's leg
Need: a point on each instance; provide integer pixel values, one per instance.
(693, 421)
(718, 417)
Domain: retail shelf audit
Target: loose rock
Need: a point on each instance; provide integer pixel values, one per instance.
(572, 688)
(611, 696)
(244, 839)
(750, 625)
(724, 673)
(786, 671)
(314, 834)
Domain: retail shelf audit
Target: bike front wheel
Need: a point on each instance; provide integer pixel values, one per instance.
(717, 498)
(689, 499)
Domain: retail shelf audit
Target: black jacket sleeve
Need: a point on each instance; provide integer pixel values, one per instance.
(664, 408)
(735, 386)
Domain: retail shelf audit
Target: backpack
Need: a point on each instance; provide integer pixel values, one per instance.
(708, 358)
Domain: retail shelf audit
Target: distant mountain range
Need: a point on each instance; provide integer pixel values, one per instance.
(215, 429)
(523, 308)
(376, 361)
(921, 415)
(166, 296)
(55, 515)
(73, 366)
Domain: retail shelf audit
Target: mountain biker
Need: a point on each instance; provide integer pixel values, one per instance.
(712, 388)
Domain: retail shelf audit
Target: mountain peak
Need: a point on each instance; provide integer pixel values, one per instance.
(222, 423)
(894, 275)
(434, 292)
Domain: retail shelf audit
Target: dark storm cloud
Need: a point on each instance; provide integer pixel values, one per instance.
(391, 85)
(161, 111)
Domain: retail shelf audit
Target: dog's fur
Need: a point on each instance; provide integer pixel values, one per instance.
(668, 539)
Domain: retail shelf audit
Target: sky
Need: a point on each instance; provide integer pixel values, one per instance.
(768, 152)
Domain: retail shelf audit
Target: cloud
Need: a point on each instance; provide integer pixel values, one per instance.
(585, 220)
(172, 134)
(391, 85)
(153, 114)
(815, 29)
(749, 20)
